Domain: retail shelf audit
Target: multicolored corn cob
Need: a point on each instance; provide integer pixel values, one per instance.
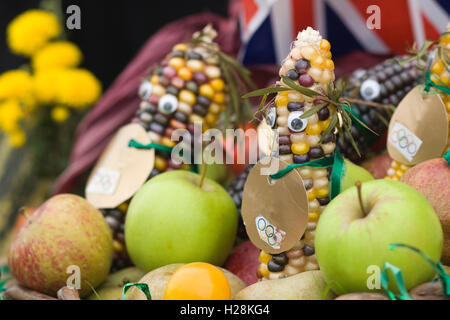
(386, 83)
(308, 64)
(115, 218)
(188, 87)
(439, 75)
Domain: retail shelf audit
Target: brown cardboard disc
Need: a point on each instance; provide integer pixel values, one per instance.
(275, 212)
(418, 129)
(121, 170)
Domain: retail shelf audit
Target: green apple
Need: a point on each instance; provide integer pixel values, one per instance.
(351, 237)
(173, 220)
(111, 288)
(218, 172)
(353, 173)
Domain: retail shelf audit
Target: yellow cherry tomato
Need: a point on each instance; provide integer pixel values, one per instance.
(198, 281)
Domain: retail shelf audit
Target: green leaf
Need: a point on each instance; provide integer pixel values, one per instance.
(362, 123)
(341, 85)
(261, 92)
(262, 105)
(352, 141)
(405, 61)
(331, 126)
(331, 91)
(303, 90)
(382, 119)
(427, 44)
(234, 95)
(243, 72)
(345, 117)
(313, 110)
(444, 57)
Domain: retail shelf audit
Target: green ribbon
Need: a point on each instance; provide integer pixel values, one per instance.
(160, 147)
(337, 162)
(141, 286)
(193, 168)
(429, 83)
(404, 295)
(4, 270)
(447, 157)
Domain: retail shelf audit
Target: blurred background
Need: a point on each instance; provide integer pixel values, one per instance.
(50, 140)
(112, 32)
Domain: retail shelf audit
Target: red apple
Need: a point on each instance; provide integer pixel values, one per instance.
(378, 166)
(432, 179)
(244, 262)
(66, 231)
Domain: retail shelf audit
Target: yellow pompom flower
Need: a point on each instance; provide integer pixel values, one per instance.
(17, 138)
(45, 85)
(31, 30)
(15, 84)
(60, 114)
(60, 54)
(78, 88)
(11, 113)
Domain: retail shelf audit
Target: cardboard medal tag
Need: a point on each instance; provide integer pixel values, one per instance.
(267, 139)
(418, 130)
(275, 212)
(121, 170)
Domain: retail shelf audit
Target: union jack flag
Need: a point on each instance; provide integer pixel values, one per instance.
(268, 26)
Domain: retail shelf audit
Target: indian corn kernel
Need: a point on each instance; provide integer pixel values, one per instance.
(308, 64)
(440, 76)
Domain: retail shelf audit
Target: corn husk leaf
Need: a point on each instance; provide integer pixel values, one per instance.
(313, 110)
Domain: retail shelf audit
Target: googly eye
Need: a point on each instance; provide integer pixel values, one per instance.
(370, 90)
(168, 104)
(145, 90)
(296, 124)
(271, 117)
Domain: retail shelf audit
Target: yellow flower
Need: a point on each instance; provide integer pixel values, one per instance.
(17, 138)
(31, 30)
(61, 54)
(11, 113)
(15, 84)
(45, 85)
(78, 88)
(60, 114)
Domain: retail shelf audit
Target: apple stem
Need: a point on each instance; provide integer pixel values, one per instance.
(203, 174)
(358, 185)
(24, 212)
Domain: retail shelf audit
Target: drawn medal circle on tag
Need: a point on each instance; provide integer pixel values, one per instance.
(275, 212)
(418, 130)
(121, 170)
